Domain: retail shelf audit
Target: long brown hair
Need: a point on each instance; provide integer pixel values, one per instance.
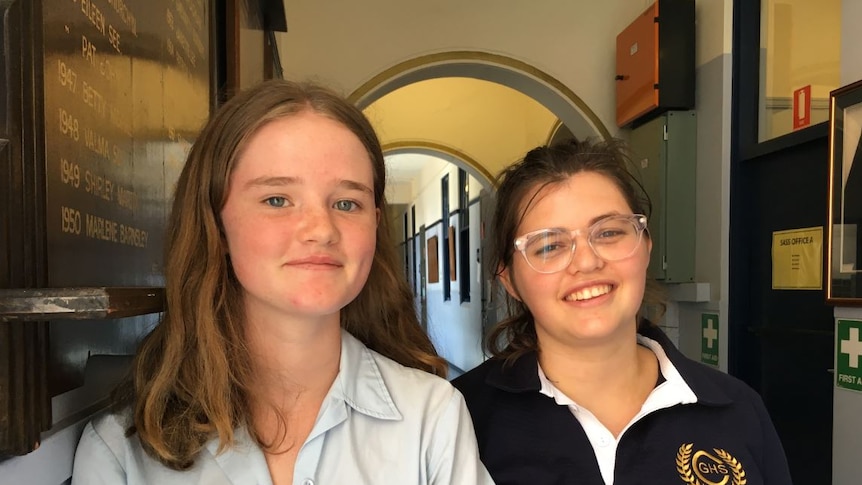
(189, 380)
(515, 335)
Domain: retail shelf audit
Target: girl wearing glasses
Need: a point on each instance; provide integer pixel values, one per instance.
(580, 388)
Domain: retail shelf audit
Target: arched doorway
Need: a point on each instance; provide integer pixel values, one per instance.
(443, 249)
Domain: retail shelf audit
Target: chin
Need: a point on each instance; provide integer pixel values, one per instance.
(600, 330)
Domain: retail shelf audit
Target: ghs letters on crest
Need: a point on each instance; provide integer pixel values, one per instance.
(704, 468)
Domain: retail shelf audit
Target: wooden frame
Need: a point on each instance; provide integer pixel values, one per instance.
(246, 62)
(844, 255)
(433, 261)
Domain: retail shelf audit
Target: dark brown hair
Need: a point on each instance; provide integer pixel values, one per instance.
(543, 166)
(189, 380)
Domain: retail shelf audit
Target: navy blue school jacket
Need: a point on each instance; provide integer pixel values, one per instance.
(526, 438)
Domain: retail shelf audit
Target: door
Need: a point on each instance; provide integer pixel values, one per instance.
(782, 340)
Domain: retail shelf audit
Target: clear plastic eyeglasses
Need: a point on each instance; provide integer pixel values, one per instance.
(611, 239)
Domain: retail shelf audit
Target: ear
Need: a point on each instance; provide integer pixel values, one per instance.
(505, 277)
(377, 216)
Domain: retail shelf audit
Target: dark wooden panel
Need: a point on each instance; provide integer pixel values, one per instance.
(126, 90)
(105, 99)
(25, 406)
(127, 87)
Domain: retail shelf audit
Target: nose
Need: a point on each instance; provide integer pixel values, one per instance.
(584, 259)
(317, 225)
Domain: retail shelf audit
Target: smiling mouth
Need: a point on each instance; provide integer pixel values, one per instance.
(589, 293)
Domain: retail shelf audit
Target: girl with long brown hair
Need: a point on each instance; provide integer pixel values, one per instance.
(289, 351)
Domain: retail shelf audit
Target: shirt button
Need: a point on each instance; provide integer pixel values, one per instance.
(604, 441)
(308, 481)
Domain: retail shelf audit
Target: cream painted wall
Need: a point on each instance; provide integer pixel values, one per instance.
(810, 46)
(851, 42)
(345, 43)
(714, 36)
(427, 195)
(251, 57)
(489, 122)
(714, 33)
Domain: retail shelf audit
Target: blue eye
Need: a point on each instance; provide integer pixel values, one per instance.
(275, 201)
(548, 249)
(548, 244)
(346, 205)
(610, 234)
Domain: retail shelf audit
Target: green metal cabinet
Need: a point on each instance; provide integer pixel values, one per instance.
(664, 151)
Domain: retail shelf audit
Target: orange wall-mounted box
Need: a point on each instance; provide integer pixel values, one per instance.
(655, 62)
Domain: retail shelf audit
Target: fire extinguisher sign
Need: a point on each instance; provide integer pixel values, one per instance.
(802, 107)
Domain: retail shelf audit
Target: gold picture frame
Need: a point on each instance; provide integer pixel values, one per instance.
(433, 261)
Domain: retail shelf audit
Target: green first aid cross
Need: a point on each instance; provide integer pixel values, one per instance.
(709, 338)
(848, 354)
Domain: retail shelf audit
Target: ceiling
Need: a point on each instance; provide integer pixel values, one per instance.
(477, 123)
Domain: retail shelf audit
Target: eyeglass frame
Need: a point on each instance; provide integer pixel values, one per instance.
(639, 220)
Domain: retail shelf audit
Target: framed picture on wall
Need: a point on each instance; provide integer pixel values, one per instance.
(433, 264)
(844, 256)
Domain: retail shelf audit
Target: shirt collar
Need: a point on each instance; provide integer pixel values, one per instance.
(519, 376)
(673, 390)
(244, 461)
(523, 374)
(698, 376)
(360, 383)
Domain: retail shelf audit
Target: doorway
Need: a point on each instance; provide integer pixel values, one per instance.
(781, 340)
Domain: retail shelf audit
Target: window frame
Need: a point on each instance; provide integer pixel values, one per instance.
(746, 87)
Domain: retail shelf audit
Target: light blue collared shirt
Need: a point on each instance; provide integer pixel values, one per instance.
(380, 423)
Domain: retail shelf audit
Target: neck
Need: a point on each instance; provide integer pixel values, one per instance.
(290, 356)
(294, 363)
(588, 364)
(592, 374)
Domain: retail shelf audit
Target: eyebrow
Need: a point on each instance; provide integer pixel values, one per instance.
(267, 181)
(353, 185)
(271, 181)
(603, 216)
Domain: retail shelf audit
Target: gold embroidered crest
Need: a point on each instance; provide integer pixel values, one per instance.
(703, 468)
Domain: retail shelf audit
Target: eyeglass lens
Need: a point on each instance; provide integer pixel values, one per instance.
(611, 239)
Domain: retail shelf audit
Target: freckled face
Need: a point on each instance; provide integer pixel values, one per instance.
(591, 300)
(300, 220)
